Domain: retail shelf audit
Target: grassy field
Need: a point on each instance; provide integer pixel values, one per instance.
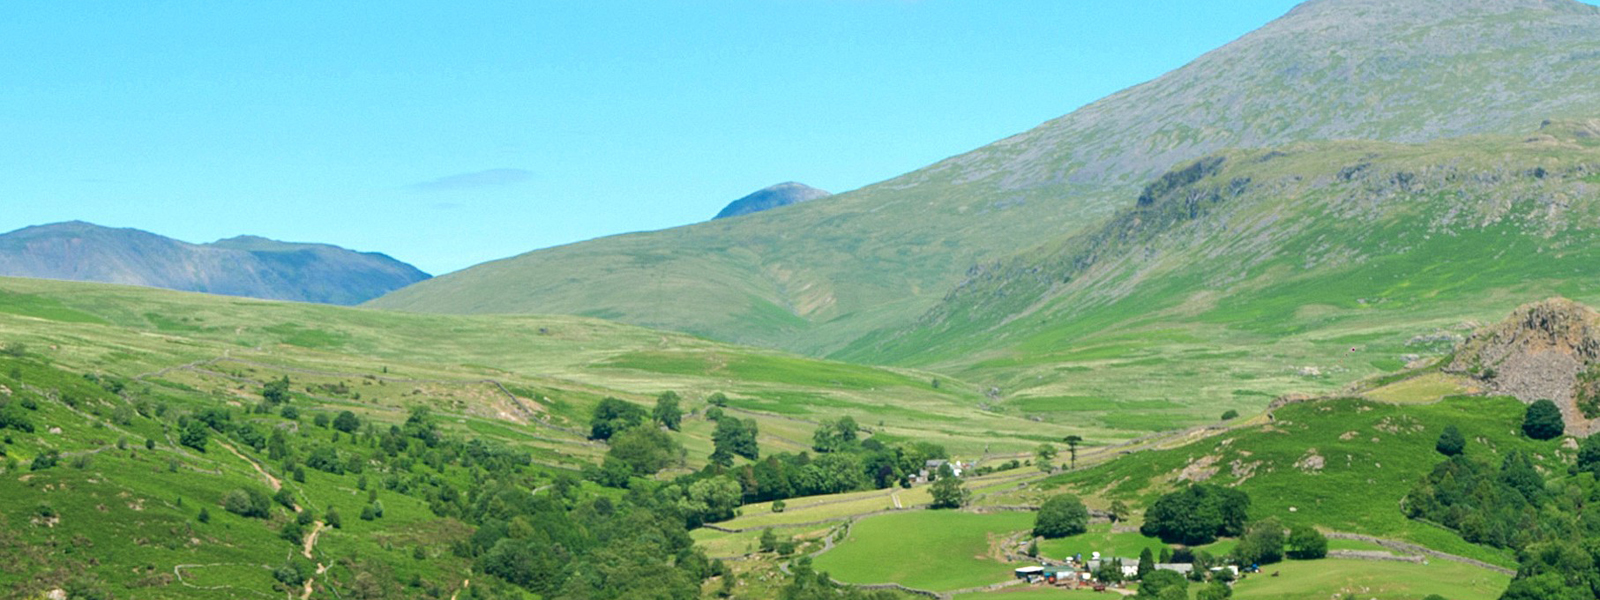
(1316, 580)
(558, 367)
(1100, 539)
(1342, 465)
(932, 550)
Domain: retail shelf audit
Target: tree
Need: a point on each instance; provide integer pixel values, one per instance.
(835, 436)
(1216, 590)
(1197, 515)
(1119, 511)
(333, 519)
(1543, 421)
(949, 492)
(204, 516)
(250, 502)
(711, 500)
(1164, 585)
(1262, 544)
(1042, 457)
(1147, 562)
(1451, 442)
(1589, 455)
(646, 450)
(667, 412)
(1230, 415)
(276, 391)
(1072, 447)
(736, 437)
(1061, 516)
(347, 422)
(769, 542)
(613, 415)
(194, 435)
(1306, 543)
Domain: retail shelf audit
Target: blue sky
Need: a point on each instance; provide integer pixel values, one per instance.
(447, 134)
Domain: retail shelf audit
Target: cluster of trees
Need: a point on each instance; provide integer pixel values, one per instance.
(844, 461)
(1512, 505)
(1197, 515)
(1201, 513)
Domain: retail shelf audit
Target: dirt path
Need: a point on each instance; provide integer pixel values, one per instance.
(465, 583)
(272, 482)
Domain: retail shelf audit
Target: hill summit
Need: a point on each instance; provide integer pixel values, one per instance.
(771, 197)
(1548, 350)
(248, 266)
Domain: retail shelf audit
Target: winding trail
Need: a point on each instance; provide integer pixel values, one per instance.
(272, 482)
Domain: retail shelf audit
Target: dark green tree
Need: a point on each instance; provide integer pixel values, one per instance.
(613, 415)
(1306, 543)
(1072, 447)
(646, 450)
(347, 422)
(667, 412)
(1147, 562)
(1451, 442)
(195, 435)
(1164, 585)
(1061, 516)
(1197, 515)
(1543, 421)
(735, 437)
(1589, 455)
(276, 391)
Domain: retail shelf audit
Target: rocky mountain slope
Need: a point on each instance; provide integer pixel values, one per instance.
(1266, 271)
(771, 197)
(242, 266)
(812, 277)
(1547, 350)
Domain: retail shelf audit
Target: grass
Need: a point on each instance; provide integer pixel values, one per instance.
(1372, 453)
(1371, 579)
(1426, 388)
(932, 550)
(1100, 539)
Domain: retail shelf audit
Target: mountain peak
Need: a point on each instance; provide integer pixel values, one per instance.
(770, 197)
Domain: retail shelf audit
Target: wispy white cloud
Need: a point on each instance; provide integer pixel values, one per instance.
(475, 180)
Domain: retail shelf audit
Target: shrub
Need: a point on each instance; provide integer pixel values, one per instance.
(45, 461)
(1061, 516)
(247, 502)
(347, 422)
(1306, 543)
(205, 515)
(333, 519)
(1262, 544)
(1451, 442)
(949, 492)
(1230, 415)
(1543, 421)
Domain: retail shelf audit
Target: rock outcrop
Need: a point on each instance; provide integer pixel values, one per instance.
(1545, 350)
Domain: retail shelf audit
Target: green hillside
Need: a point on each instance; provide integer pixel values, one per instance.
(815, 276)
(1251, 274)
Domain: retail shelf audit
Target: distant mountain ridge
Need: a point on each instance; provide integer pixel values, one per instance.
(815, 276)
(247, 266)
(771, 197)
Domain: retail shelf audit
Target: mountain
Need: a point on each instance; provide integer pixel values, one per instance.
(1252, 273)
(768, 198)
(814, 276)
(242, 266)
